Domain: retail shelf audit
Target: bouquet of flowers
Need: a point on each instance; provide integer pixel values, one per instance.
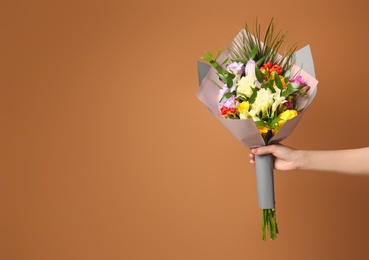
(260, 96)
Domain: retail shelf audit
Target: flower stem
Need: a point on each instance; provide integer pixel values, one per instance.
(269, 222)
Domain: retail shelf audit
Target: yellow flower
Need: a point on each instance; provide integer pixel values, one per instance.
(283, 82)
(243, 110)
(243, 107)
(263, 130)
(286, 115)
(272, 74)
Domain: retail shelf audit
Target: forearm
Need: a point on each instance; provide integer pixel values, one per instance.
(352, 161)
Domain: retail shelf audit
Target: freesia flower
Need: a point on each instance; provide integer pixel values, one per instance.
(243, 110)
(221, 93)
(235, 68)
(230, 102)
(276, 68)
(247, 83)
(263, 101)
(250, 69)
(268, 68)
(278, 100)
(253, 115)
(298, 80)
(263, 130)
(246, 86)
(227, 111)
(286, 115)
(283, 81)
(225, 89)
(267, 65)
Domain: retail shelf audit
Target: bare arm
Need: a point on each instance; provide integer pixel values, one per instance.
(350, 161)
(353, 161)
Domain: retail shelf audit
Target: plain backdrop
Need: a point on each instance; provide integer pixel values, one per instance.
(106, 153)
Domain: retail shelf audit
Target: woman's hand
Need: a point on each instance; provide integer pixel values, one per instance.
(285, 158)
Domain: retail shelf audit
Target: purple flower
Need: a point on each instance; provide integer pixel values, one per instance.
(235, 67)
(250, 68)
(230, 102)
(223, 90)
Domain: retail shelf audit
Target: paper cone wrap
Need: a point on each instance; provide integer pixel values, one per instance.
(246, 131)
(265, 181)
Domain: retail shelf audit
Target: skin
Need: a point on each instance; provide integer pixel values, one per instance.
(349, 161)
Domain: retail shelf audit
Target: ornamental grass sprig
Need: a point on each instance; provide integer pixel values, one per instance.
(242, 46)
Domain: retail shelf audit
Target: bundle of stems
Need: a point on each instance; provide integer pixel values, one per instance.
(269, 223)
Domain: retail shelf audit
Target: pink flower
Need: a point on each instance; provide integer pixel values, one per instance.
(298, 80)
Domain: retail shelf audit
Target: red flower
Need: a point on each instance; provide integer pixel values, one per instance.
(224, 110)
(268, 65)
(277, 69)
(227, 111)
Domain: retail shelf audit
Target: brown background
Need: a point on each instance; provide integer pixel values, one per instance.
(107, 154)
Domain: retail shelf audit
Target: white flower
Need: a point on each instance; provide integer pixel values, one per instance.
(252, 114)
(246, 86)
(278, 100)
(264, 99)
(244, 115)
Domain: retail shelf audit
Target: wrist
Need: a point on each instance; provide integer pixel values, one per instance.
(301, 159)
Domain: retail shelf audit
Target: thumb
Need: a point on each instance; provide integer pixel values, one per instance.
(263, 150)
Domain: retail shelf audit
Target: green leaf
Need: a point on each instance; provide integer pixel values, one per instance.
(269, 85)
(278, 81)
(213, 63)
(260, 61)
(261, 123)
(253, 96)
(259, 75)
(230, 80)
(274, 123)
(240, 60)
(207, 58)
(289, 90)
(226, 96)
(224, 62)
(219, 52)
(287, 74)
(209, 53)
(241, 97)
(253, 53)
(222, 77)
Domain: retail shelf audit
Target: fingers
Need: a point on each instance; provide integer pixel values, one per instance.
(263, 150)
(252, 157)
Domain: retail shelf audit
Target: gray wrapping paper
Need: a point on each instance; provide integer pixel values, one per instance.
(265, 181)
